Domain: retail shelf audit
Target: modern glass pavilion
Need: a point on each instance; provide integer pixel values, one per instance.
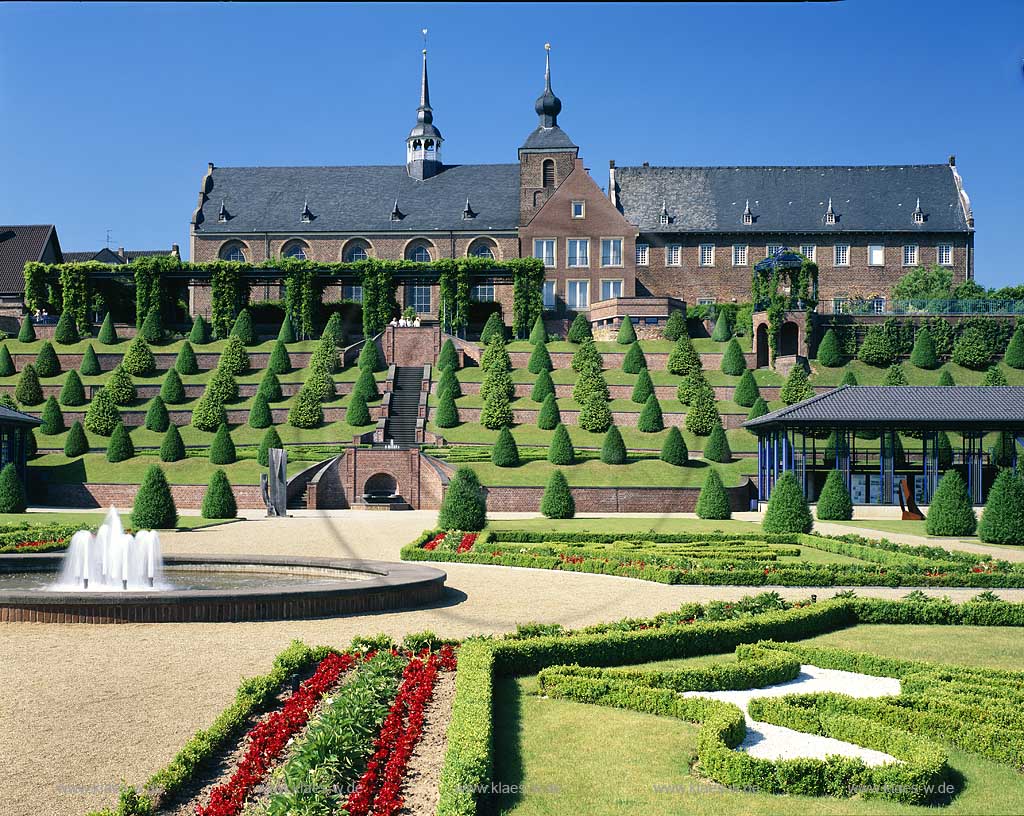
(794, 438)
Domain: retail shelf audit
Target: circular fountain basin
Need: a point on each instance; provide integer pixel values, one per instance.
(214, 588)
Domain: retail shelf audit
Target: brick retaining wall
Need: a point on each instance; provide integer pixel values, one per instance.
(613, 499)
(189, 497)
(656, 360)
(624, 419)
(164, 360)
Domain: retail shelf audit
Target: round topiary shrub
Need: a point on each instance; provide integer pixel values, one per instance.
(557, 502)
(185, 362)
(627, 334)
(951, 512)
(138, 360)
(493, 328)
(102, 417)
(713, 502)
(219, 499)
(703, 415)
(270, 387)
(12, 491)
(280, 362)
(834, 503)
(448, 357)
(683, 358)
(306, 411)
(651, 419)
(579, 330)
(497, 384)
(27, 334)
(877, 349)
(796, 388)
(449, 382)
(673, 449)
(758, 409)
(222, 448)
(746, 392)
(542, 387)
(539, 360)
(587, 358)
(76, 443)
(972, 349)
(828, 350)
(505, 452)
(222, 387)
(895, 376)
(1014, 356)
(66, 332)
(152, 330)
(1003, 519)
(595, 415)
(733, 361)
(156, 415)
(723, 328)
(787, 508)
(7, 368)
(287, 331)
(209, 413)
(643, 388)
(613, 449)
(717, 448)
(946, 378)
(271, 440)
(200, 332)
(53, 419)
(121, 387)
(28, 391)
(549, 417)
(923, 354)
(561, 451)
(154, 505)
(634, 362)
(447, 414)
(495, 356)
(234, 359)
(538, 334)
(496, 412)
(47, 363)
(172, 449)
(172, 392)
(675, 326)
(90, 366)
(464, 506)
(244, 329)
(849, 378)
(72, 393)
(120, 446)
(108, 334)
(259, 414)
(994, 376)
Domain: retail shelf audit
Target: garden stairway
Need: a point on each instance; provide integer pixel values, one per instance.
(404, 410)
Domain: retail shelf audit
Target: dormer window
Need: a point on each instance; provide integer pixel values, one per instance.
(830, 215)
(306, 216)
(468, 213)
(748, 215)
(918, 213)
(222, 215)
(396, 214)
(663, 217)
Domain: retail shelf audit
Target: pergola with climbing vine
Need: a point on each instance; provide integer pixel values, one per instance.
(784, 281)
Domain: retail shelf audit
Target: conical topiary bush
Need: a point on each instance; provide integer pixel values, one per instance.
(579, 330)
(643, 388)
(493, 327)
(185, 362)
(994, 376)
(828, 350)
(787, 508)
(234, 359)
(7, 368)
(120, 446)
(561, 451)
(549, 417)
(675, 326)
(209, 413)
(156, 415)
(120, 387)
(758, 409)
(634, 362)
(366, 385)
(76, 443)
(172, 448)
(595, 415)
(796, 388)
(287, 331)
(259, 414)
(557, 502)
(538, 334)
(448, 358)
(28, 391)
(154, 505)
(108, 334)
(447, 414)
(12, 491)
(951, 512)
(613, 449)
(627, 334)
(717, 448)
(946, 378)
(923, 354)
(102, 416)
(713, 502)
(66, 331)
(505, 452)
(72, 393)
(270, 387)
(849, 378)
(539, 360)
(463, 507)
(543, 386)
(733, 361)
(280, 361)
(271, 440)
(1014, 356)
(27, 334)
(138, 360)
(90, 365)
(673, 449)
(53, 419)
(47, 364)
(307, 411)
(244, 329)
(703, 416)
(723, 328)
(152, 330)
(834, 503)
(1003, 519)
(895, 375)
(222, 448)
(172, 392)
(333, 330)
(651, 419)
(200, 333)
(219, 499)
(683, 359)
(449, 382)
(370, 358)
(746, 392)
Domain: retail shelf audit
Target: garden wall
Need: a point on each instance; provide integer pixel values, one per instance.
(615, 499)
(188, 497)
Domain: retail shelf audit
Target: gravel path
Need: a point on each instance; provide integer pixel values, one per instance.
(775, 742)
(97, 704)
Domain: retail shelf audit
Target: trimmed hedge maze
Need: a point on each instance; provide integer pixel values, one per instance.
(750, 559)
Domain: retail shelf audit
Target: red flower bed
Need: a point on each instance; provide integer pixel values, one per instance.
(468, 540)
(432, 544)
(379, 790)
(24, 545)
(269, 737)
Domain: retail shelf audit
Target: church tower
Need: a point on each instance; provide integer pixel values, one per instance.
(423, 144)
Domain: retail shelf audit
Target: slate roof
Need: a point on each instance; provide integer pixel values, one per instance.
(20, 244)
(548, 138)
(360, 199)
(792, 199)
(8, 415)
(935, 407)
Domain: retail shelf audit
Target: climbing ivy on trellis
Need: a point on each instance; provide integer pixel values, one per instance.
(36, 291)
(149, 290)
(75, 294)
(527, 294)
(803, 291)
(229, 294)
(303, 293)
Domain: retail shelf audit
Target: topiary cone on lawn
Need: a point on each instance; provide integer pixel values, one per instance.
(27, 334)
(108, 334)
(828, 350)
(138, 360)
(200, 332)
(287, 332)
(72, 393)
(538, 334)
(76, 443)
(540, 359)
(675, 326)
(28, 391)
(448, 357)
(758, 409)
(280, 361)
(746, 392)
(505, 452)
(259, 414)
(557, 502)
(464, 506)
(734, 362)
(627, 334)
(222, 448)
(172, 392)
(634, 362)
(561, 451)
(713, 502)
(643, 389)
(717, 448)
(271, 439)
(651, 419)
(219, 499)
(156, 415)
(542, 387)
(923, 354)
(66, 332)
(1014, 356)
(120, 446)
(154, 505)
(493, 327)
(53, 419)
(12, 491)
(834, 503)
(1003, 519)
(787, 508)
(102, 415)
(549, 417)
(47, 362)
(90, 366)
(172, 449)
(185, 362)
(244, 329)
(673, 449)
(613, 449)
(579, 330)
(447, 414)
(951, 512)
(7, 368)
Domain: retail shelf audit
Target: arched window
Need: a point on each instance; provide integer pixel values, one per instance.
(548, 173)
(357, 250)
(482, 248)
(233, 251)
(296, 250)
(418, 251)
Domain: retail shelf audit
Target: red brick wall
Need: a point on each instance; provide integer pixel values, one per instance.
(188, 497)
(612, 499)
(411, 346)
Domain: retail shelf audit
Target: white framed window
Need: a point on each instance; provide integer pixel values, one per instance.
(577, 294)
(663, 219)
(642, 252)
(418, 252)
(611, 289)
(357, 251)
(876, 255)
(296, 250)
(910, 255)
(549, 294)
(838, 305)
(808, 251)
(482, 292)
(611, 252)
(579, 209)
(707, 254)
(233, 252)
(352, 292)
(841, 255)
(419, 297)
(739, 254)
(944, 254)
(577, 252)
(706, 301)
(878, 305)
(673, 255)
(771, 249)
(544, 248)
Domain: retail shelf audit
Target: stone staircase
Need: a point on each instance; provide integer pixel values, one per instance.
(404, 411)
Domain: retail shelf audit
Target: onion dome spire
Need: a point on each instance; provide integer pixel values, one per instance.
(548, 106)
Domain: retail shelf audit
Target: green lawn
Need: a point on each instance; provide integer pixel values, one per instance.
(90, 521)
(869, 375)
(94, 467)
(568, 757)
(642, 473)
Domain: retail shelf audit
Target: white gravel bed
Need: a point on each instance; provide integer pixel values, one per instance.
(775, 742)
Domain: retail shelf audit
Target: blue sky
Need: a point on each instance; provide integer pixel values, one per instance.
(111, 112)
